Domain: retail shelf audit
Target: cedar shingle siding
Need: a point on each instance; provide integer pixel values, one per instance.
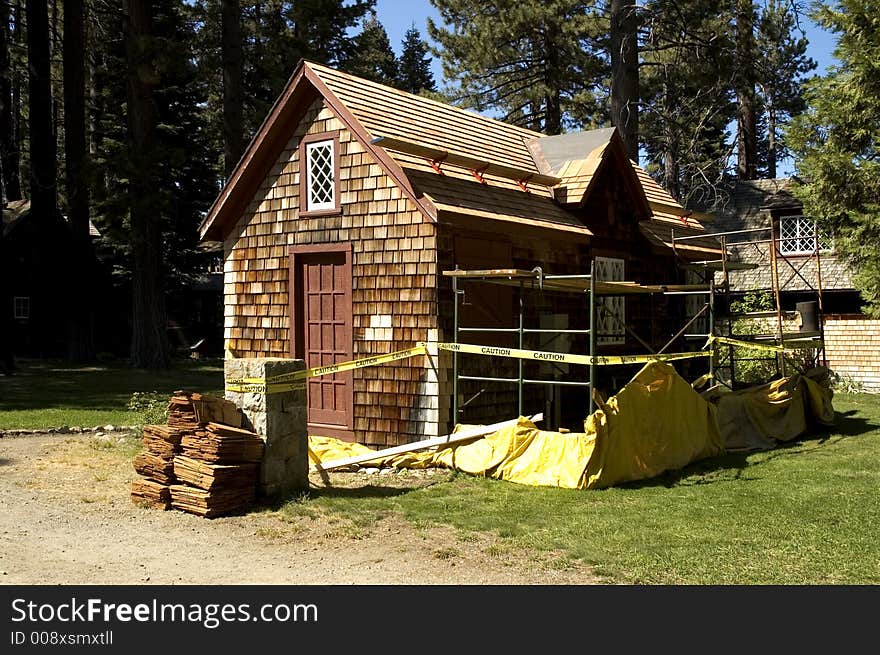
(394, 275)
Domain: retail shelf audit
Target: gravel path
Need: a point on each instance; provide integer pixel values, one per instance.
(66, 518)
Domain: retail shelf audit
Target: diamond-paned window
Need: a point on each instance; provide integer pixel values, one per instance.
(610, 310)
(321, 183)
(797, 236)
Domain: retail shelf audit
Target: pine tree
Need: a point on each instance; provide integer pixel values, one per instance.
(44, 194)
(836, 142)
(180, 161)
(149, 345)
(744, 84)
(415, 64)
(782, 65)
(275, 35)
(373, 58)
(624, 57)
(538, 64)
(278, 34)
(6, 145)
(81, 345)
(233, 102)
(687, 95)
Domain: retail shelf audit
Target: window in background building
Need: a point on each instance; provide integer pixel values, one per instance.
(21, 307)
(797, 236)
(610, 310)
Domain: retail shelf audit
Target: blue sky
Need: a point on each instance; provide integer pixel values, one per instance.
(398, 15)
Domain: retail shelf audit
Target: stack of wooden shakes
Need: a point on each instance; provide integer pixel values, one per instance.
(201, 462)
(219, 468)
(156, 466)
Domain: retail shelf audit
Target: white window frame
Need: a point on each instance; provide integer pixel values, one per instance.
(610, 331)
(17, 306)
(805, 228)
(311, 205)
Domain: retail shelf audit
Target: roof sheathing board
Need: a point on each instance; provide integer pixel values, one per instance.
(560, 149)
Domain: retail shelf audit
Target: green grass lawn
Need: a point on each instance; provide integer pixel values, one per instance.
(44, 394)
(806, 513)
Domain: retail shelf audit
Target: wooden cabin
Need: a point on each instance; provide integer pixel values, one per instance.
(354, 198)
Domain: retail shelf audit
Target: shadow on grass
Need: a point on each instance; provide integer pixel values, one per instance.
(849, 425)
(734, 465)
(46, 384)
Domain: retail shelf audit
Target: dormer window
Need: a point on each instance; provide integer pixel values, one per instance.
(319, 179)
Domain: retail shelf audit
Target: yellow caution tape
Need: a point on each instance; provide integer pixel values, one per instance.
(263, 387)
(793, 344)
(566, 358)
(296, 381)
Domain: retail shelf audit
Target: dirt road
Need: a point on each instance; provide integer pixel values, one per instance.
(66, 518)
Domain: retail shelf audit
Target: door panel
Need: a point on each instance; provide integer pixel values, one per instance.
(323, 317)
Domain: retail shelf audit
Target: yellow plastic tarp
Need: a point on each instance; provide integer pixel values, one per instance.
(656, 423)
(758, 417)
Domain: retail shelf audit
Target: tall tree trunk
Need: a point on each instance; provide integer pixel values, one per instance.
(5, 99)
(75, 118)
(625, 74)
(53, 55)
(81, 345)
(553, 100)
(42, 138)
(233, 128)
(149, 342)
(747, 139)
(12, 167)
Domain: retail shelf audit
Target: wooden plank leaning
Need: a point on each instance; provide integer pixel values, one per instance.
(456, 437)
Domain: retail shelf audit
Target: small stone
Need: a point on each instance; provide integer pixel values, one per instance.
(99, 434)
(109, 428)
(386, 471)
(371, 471)
(97, 428)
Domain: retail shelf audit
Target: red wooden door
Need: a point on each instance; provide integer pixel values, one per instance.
(325, 312)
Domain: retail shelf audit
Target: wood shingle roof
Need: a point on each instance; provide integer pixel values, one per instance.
(373, 111)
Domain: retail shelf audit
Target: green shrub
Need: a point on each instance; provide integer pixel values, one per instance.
(749, 369)
(152, 406)
(845, 384)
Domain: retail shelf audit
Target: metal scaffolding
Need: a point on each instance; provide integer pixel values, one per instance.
(755, 237)
(526, 281)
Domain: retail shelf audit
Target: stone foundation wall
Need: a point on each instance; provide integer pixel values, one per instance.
(280, 419)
